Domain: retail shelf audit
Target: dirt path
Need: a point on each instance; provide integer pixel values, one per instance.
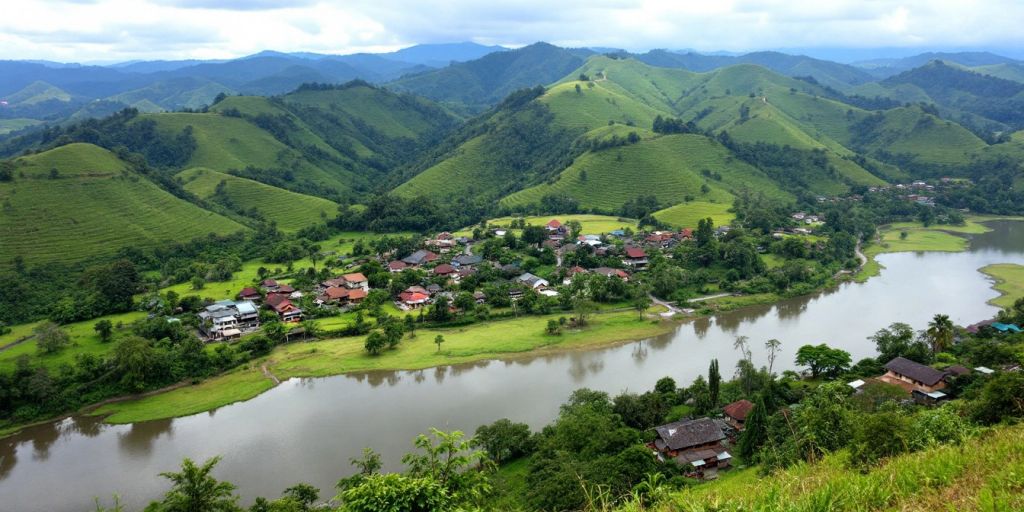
(710, 297)
(267, 374)
(17, 342)
(860, 256)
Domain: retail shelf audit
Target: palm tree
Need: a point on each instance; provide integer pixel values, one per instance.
(195, 490)
(773, 346)
(940, 332)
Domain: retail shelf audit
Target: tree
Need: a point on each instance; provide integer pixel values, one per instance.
(410, 325)
(438, 340)
(138, 363)
(898, 340)
(940, 332)
(755, 430)
(50, 338)
(198, 283)
(553, 327)
(439, 311)
(714, 382)
(194, 489)
(448, 459)
(823, 360)
(504, 440)
(742, 344)
(465, 302)
(393, 332)
(395, 493)
(772, 346)
(878, 435)
(641, 302)
(104, 328)
(1001, 398)
(665, 386)
(375, 343)
(369, 464)
(303, 496)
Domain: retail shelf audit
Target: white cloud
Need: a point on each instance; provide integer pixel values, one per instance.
(133, 29)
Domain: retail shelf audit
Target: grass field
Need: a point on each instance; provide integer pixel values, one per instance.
(686, 215)
(84, 340)
(94, 207)
(332, 357)
(13, 125)
(591, 224)
(668, 167)
(290, 210)
(1009, 282)
(982, 474)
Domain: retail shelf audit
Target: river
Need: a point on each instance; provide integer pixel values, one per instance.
(306, 430)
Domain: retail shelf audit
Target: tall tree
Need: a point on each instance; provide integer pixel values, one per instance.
(714, 382)
(194, 489)
(755, 430)
(940, 333)
(773, 346)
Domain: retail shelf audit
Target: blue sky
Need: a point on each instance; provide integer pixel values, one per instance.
(87, 30)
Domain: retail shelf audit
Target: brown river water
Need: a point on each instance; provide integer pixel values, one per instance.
(305, 430)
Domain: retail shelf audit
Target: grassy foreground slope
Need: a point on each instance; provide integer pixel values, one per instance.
(93, 206)
(290, 210)
(982, 474)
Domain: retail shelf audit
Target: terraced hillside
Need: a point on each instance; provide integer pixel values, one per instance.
(79, 202)
(289, 210)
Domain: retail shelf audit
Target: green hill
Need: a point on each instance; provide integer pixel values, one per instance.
(672, 168)
(289, 210)
(175, 93)
(477, 84)
(38, 92)
(93, 206)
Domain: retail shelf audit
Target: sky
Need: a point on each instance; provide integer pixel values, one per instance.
(120, 30)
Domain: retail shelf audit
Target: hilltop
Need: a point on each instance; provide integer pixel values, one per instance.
(80, 202)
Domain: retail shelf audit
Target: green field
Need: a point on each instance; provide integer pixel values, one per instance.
(13, 125)
(981, 474)
(84, 340)
(95, 207)
(1009, 282)
(668, 167)
(332, 357)
(686, 215)
(937, 237)
(290, 210)
(591, 224)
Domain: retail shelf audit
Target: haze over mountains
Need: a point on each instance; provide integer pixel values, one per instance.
(535, 129)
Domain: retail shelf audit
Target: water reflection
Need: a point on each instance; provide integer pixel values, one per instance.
(306, 429)
(139, 438)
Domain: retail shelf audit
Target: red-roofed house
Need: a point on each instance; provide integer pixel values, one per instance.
(444, 269)
(553, 225)
(413, 299)
(736, 413)
(249, 293)
(356, 296)
(284, 308)
(635, 257)
(333, 295)
(356, 280)
(397, 266)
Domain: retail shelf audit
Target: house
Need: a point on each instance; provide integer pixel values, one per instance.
(444, 242)
(419, 258)
(612, 272)
(572, 273)
(911, 375)
(227, 319)
(553, 225)
(532, 281)
(736, 413)
(444, 270)
(466, 260)
(479, 297)
(698, 444)
(413, 298)
(356, 281)
(433, 288)
(928, 398)
(333, 295)
(397, 266)
(635, 257)
(251, 294)
(284, 308)
(356, 296)
(269, 285)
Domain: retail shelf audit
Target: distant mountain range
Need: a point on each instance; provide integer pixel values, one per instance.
(468, 77)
